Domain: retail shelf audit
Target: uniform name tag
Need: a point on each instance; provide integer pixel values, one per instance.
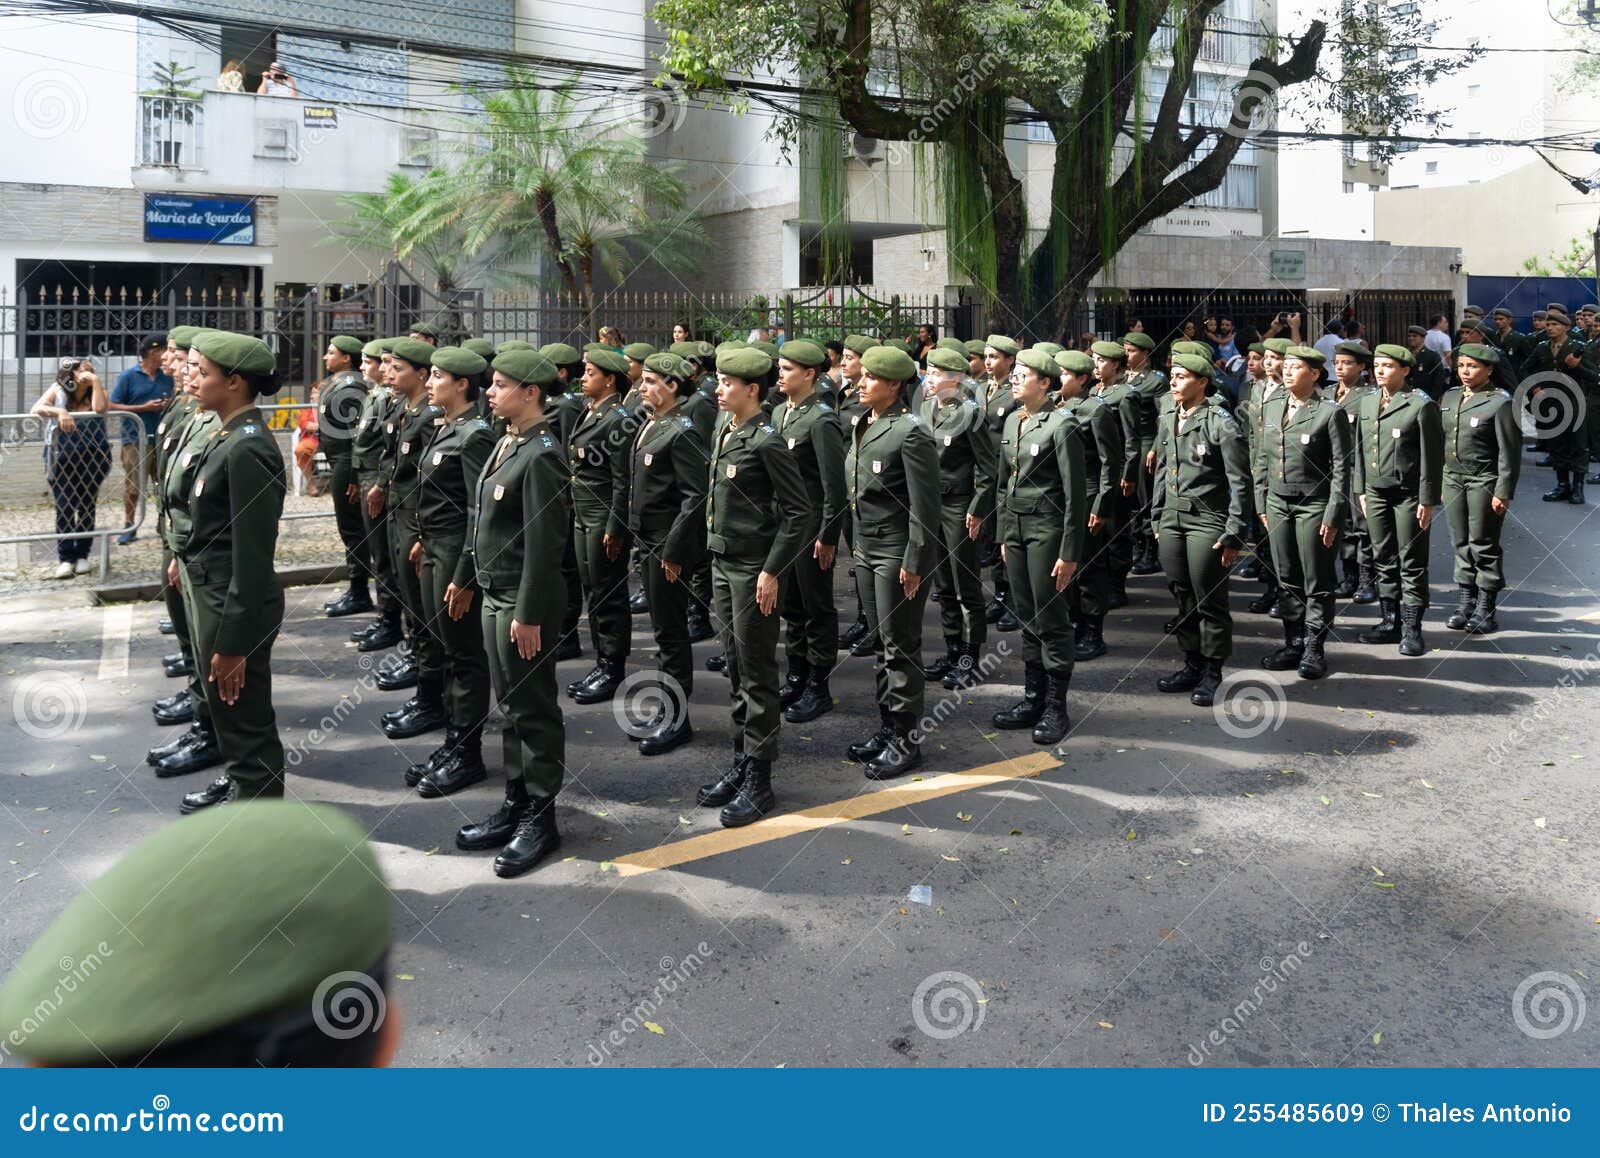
(733, 470)
(1034, 450)
(949, 439)
(438, 457)
(1394, 433)
(405, 448)
(1001, 411)
(648, 459)
(877, 466)
(170, 441)
(388, 427)
(1474, 422)
(855, 418)
(1305, 440)
(1200, 449)
(499, 491)
(791, 444)
(187, 459)
(199, 487)
(1351, 416)
(162, 429)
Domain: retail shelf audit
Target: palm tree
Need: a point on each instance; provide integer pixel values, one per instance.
(404, 222)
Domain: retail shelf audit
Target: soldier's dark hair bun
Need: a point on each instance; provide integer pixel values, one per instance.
(267, 384)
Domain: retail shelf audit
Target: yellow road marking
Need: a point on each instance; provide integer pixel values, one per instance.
(825, 815)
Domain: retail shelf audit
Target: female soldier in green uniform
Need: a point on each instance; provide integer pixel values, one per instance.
(1112, 389)
(597, 448)
(1148, 386)
(1482, 459)
(563, 409)
(666, 517)
(515, 529)
(856, 637)
(1104, 460)
(999, 359)
(1043, 512)
(224, 547)
(447, 479)
(891, 472)
(700, 407)
(1351, 363)
(340, 398)
(366, 461)
(1399, 463)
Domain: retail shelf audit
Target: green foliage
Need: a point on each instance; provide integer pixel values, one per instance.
(1576, 260)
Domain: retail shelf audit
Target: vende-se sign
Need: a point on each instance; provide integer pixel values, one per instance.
(214, 220)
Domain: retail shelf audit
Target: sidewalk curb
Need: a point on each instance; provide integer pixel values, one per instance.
(147, 590)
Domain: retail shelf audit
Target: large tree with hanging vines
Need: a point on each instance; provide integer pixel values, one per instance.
(948, 76)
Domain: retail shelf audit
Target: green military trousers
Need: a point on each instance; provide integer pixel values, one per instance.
(605, 585)
(573, 580)
(464, 666)
(247, 730)
(750, 641)
(1399, 546)
(1355, 543)
(958, 576)
(375, 543)
(534, 741)
(1119, 558)
(184, 634)
(1475, 531)
(348, 518)
(1305, 566)
(408, 585)
(894, 623)
(1197, 578)
(1046, 614)
(1091, 586)
(811, 618)
(669, 616)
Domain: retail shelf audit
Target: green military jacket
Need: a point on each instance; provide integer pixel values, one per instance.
(517, 526)
(813, 433)
(667, 491)
(1514, 344)
(413, 426)
(891, 476)
(1041, 478)
(1262, 393)
(849, 402)
(1306, 456)
(176, 474)
(367, 445)
(1147, 386)
(756, 502)
(1544, 359)
(1482, 438)
(341, 402)
(1203, 464)
(175, 419)
(231, 530)
(1431, 375)
(1118, 398)
(447, 476)
(1400, 446)
(998, 401)
(1103, 450)
(966, 452)
(598, 448)
(700, 408)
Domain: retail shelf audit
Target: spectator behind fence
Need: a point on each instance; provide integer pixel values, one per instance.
(612, 337)
(142, 390)
(77, 457)
(307, 444)
(231, 78)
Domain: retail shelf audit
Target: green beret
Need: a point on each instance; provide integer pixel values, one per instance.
(955, 344)
(1558, 315)
(560, 353)
(898, 344)
(1502, 312)
(974, 347)
(236, 353)
(638, 351)
(1256, 348)
(1396, 353)
(669, 365)
(607, 359)
(1040, 362)
(1472, 327)
(427, 328)
(1556, 306)
(1198, 349)
(749, 364)
(413, 350)
(1051, 348)
(1306, 354)
(1421, 331)
(770, 349)
(889, 364)
(1140, 339)
(482, 347)
(1471, 309)
(685, 350)
(705, 351)
(513, 344)
(235, 913)
(1112, 350)
(1356, 350)
(1195, 364)
(589, 347)
(1075, 362)
(944, 358)
(810, 355)
(1002, 344)
(1589, 309)
(1479, 352)
(344, 343)
(526, 366)
(859, 344)
(462, 363)
(374, 350)
(182, 336)
(1278, 346)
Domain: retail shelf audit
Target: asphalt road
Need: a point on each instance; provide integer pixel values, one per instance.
(1365, 874)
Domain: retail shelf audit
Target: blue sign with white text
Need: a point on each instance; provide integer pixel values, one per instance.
(217, 220)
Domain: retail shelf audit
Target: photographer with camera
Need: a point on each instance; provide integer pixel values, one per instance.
(276, 81)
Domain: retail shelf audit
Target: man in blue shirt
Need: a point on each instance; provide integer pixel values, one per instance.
(142, 390)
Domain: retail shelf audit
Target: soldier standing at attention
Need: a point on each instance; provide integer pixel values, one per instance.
(1201, 507)
(598, 450)
(1149, 387)
(966, 505)
(366, 461)
(1351, 362)
(892, 479)
(339, 401)
(563, 411)
(666, 517)
(459, 444)
(700, 407)
(1112, 389)
(1270, 388)
(636, 353)
(515, 530)
(1104, 455)
(756, 516)
(1567, 372)
(999, 360)
(1482, 459)
(223, 565)
(973, 348)
(1399, 460)
(856, 637)
(809, 426)
(1303, 493)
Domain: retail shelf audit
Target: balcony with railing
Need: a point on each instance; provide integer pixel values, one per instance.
(1226, 40)
(171, 130)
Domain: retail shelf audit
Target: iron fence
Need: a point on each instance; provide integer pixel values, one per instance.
(1383, 314)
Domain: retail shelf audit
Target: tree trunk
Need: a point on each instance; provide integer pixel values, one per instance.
(545, 208)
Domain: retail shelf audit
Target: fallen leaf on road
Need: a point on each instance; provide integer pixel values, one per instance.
(1426, 785)
(963, 816)
(1384, 884)
(847, 860)
(98, 759)
(431, 851)
(655, 1029)
(605, 866)
(1105, 1025)
(1324, 800)
(404, 977)
(947, 856)
(1377, 1038)
(905, 830)
(1538, 822)
(1130, 835)
(1373, 795)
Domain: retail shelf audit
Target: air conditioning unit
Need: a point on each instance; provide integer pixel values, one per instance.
(867, 150)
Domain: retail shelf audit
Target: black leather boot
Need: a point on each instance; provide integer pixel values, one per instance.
(1483, 621)
(816, 699)
(569, 647)
(794, 684)
(395, 713)
(1262, 604)
(199, 753)
(394, 677)
(1346, 586)
(1367, 585)
(638, 604)
(1147, 561)
(1411, 641)
(462, 768)
(700, 628)
(725, 787)
(1561, 492)
(415, 773)
(176, 666)
(193, 734)
(900, 752)
(855, 631)
(754, 799)
(176, 700)
(946, 663)
(864, 646)
(1008, 621)
(606, 686)
(1025, 712)
(220, 791)
(495, 830)
(1205, 692)
(587, 678)
(1054, 722)
(178, 709)
(427, 716)
(383, 634)
(535, 838)
(167, 627)
(1186, 678)
(863, 750)
(355, 601)
(1388, 628)
(1250, 568)
(1576, 497)
(1089, 641)
(965, 673)
(674, 731)
(1314, 660)
(1466, 600)
(1287, 657)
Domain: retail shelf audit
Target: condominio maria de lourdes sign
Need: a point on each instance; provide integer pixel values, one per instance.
(214, 220)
